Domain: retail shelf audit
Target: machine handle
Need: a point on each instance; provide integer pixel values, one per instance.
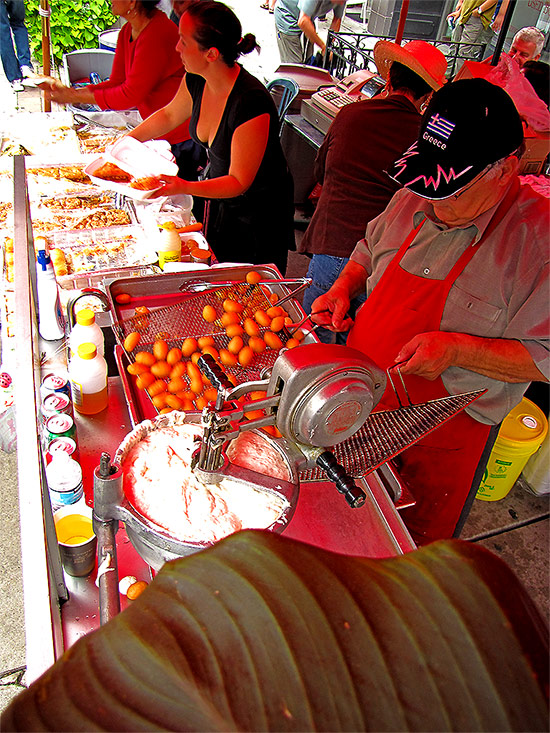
(213, 372)
(353, 494)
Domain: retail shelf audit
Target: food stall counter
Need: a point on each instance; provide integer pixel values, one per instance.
(59, 608)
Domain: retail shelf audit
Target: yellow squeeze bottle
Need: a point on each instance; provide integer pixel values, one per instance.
(169, 244)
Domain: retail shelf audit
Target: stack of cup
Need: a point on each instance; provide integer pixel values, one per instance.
(76, 539)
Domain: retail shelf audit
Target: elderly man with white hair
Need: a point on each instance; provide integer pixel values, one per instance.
(456, 273)
(526, 45)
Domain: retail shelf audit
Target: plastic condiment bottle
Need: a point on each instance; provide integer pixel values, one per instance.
(64, 476)
(51, 325)
(88, 377)
(169, 244)
(86, 331)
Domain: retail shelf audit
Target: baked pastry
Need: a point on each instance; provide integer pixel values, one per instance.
(147, 183)
(111, 172)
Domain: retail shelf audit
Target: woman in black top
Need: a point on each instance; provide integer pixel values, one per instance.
(248, 188)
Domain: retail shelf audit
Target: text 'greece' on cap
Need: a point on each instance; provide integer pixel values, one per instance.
(468, 125)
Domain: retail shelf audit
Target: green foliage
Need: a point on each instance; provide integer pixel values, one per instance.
(263, 633)
(74, 24)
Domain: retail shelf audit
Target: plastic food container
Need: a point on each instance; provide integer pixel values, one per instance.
(137, 159)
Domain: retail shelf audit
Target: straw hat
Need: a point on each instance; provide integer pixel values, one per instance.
(424, 59)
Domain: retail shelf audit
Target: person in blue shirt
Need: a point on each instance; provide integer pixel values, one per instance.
(295, 27)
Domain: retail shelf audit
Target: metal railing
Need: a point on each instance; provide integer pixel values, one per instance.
(349, 52)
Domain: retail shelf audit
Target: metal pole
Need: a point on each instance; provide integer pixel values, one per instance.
(107, 493)
(45, 16)
(401, 24)
(503, 31)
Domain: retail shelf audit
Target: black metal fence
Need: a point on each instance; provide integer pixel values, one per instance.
(349, 52)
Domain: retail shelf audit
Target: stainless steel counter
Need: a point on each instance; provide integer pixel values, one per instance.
(59, 609)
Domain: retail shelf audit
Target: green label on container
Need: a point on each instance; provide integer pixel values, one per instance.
(503, 463)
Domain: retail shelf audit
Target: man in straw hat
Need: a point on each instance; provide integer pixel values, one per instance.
(362, 142)
(456, 275)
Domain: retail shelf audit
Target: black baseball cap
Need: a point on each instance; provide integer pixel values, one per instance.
(468, 125)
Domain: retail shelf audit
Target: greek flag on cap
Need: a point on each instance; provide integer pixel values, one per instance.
(440, 126)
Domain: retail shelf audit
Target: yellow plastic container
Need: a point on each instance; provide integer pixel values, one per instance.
(520, 435)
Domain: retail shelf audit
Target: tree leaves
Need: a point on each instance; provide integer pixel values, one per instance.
(261, 632)
(73, 25)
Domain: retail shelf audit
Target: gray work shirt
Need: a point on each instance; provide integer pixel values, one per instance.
(502, 293)
(287, 12)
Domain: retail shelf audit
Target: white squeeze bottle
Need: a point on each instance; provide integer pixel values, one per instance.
(88, 377)
(169, 244)
(86, 331)
(50, 319)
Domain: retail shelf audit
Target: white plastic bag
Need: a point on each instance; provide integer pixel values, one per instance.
(507, 74)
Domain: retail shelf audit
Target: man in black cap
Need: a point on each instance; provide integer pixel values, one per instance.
(456, 271)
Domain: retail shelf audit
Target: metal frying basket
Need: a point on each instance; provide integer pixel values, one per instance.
(387, 433)
(184, 319)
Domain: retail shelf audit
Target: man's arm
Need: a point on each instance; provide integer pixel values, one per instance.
(456, 12)
(484, 6)
(429, 354)
(308, 27)
(496, 25)
(333, 305)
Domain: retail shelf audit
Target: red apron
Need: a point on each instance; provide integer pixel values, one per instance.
(440, 468)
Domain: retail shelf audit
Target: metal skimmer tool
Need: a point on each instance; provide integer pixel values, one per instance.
(320, 396)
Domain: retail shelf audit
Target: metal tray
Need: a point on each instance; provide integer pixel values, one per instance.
(163, 292)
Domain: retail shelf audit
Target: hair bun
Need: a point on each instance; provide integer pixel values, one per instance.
(247, 44)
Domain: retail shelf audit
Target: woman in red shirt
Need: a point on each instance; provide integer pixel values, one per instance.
(147, 71)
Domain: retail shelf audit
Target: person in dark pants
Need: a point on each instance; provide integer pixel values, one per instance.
(15, 60)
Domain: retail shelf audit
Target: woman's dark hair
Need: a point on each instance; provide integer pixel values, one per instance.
(401, 77)
(217, 26)
(147, 7)
(537, 72)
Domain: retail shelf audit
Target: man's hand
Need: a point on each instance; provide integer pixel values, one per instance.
(429, 354)
(332, 308)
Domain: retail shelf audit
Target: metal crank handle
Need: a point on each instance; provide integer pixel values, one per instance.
(353, 494)
(216, 375)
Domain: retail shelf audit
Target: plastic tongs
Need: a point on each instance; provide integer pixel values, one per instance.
(90, 123)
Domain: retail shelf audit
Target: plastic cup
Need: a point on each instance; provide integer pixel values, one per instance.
(76, 539)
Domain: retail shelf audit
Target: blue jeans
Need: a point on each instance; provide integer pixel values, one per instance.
(324, 270)
(12, 20)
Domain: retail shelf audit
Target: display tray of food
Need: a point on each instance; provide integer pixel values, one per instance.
(82, 252)
(45, 180)
(162, 331)
(94, 140)
(86, 209)
(54, 137)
